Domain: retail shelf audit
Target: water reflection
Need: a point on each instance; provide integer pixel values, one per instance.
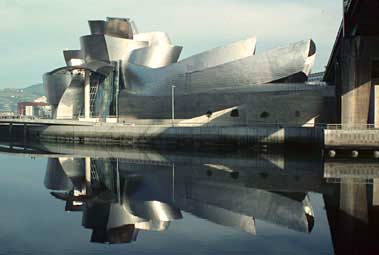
(143, 190)
(122, 192)
(354, 208)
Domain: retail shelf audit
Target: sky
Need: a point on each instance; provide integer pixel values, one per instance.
(34, 33)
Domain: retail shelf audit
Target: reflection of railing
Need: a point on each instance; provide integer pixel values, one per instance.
(184, 122)
(164, 122)
(351, 126)
(350, 180)
(23, 117)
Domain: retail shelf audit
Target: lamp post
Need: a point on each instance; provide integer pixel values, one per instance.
(172, 104)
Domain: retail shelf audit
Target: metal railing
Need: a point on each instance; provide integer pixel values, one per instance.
(351, 126)
(184, 122)
(23, 117)
(163, 122)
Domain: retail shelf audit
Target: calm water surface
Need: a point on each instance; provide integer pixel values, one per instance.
(122, 201)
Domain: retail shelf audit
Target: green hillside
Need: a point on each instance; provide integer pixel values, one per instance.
(10, 97)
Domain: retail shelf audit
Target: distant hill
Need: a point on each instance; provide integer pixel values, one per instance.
(36, 89)
(10, 97)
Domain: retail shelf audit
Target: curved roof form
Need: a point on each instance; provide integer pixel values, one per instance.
(153, 38)
(55, 177)
(118, 27)
(64, 81)
(120, 215)
(252, 70)
(220, 215)
(73, 57)
(55, 84)
(220, 55)
(163, 58)
(100, 67)
(74, 169)
(154, 210)
(153, 225)
(148, 64)
(154, 57)
(107, 48)
(119, 48)
(71, 102)
(145, 198)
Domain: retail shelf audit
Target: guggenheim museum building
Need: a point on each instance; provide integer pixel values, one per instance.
(122, 75)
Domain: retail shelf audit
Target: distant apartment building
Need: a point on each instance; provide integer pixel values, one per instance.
(7, 114)
(38, 108)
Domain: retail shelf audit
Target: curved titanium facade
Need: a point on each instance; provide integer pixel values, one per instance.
(112, 26)
(257, 69)
(73, 57)
(146, 73)
(155, 56)
(55, 177)
(217, 56)
(153, 38)
(71, 102)
(55, 85)
(97, 27)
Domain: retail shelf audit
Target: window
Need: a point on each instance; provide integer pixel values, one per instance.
(264, 115)
(234, 113)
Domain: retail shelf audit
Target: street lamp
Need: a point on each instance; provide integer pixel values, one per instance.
(172, 104)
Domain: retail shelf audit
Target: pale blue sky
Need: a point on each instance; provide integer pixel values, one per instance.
(34, 32)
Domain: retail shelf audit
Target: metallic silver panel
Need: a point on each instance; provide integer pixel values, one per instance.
(263, 205)
(98, 67)
(151, 195)
(154, 210)
(101, 67)
(74, 169)
(154, 57)
(153, 38)
(107, 48)
(219, 215)
(119, 27)
(73, 57)
(153, 225)
(71, 103)
(55, 84)
(207, 59)
(120, 48)
(258, 69)
(55, 177)
(280, 101)
(97, 27)
(218, 56)
(120, 215)
(134, 27)
(211, 81)
(94, 48)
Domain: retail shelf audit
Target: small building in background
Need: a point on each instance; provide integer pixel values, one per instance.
(7, 114)
(38, 108)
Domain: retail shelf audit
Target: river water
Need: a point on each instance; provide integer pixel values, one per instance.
(65, 199)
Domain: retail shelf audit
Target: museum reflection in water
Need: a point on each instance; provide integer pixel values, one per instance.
(121, 192)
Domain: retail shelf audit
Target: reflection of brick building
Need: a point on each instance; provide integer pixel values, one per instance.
(22, 106)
